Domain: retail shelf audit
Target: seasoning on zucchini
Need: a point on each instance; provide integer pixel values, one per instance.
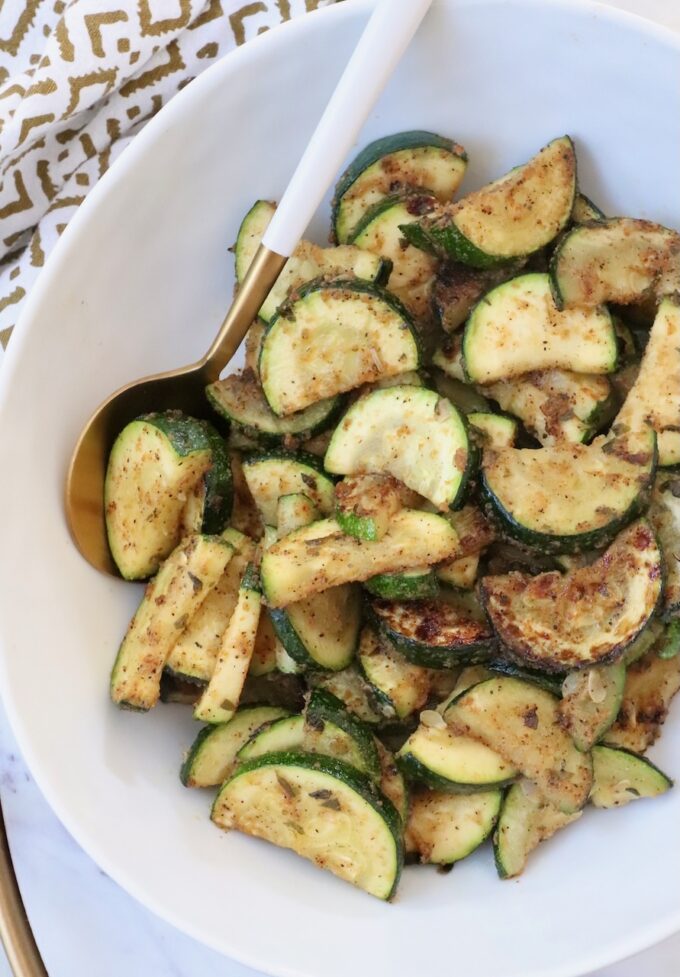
(351, 687)
(584, 210)
(591, 699)
(651, 683)
(321, 631)
(460, 573)
(496, 430)
(365, 505)
(282, 733)
(526, 819)
(399, 685)
(664, 515)
(293, 511)
(333, 730)
(444, 828)
(457, 289)
(621, 777)
(269, 475)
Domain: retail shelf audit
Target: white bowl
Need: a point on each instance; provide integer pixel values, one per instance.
(138, 283)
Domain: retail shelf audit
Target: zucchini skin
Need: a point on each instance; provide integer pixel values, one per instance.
(414, 769)
(295, 646)
(323, 707)
(548, 681)
(446, 241)
(395, 586)
(219, 485)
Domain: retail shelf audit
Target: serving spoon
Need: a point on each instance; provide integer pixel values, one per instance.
(384, 40)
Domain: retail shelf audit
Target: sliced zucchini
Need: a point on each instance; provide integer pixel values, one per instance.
(436, 756)
(239, 399)
(520, 722)
(221, 697)
(321, 631)
(331, 338)
(664, 515)
(332, 729)
(526, 819)
(218, 485)
(414, 160)
(195, 652)
(460, 573)
(497, 430)
(650, 686)
(322, 556)
(213, 753)
(617, 260)
(444, 828)
(322, 809)
(474, 530)
(591, 700)
(273, 474)
(154, 464)
(401, 687)
(263, 661)
(182, 584)
(394, 431)
(449, 358)
(407, 585)
(586, 617)
(551, 682)
(584, 210)
(457, 289)
(245, 516)
(513, 217)
(557, 405)
(652, 635)
(392, 784)
(463, 396)
(293, 511)
(517, 329)
(350, 687)
(308, 260)
(366, 504)
(567, 498)
(434, 633)
(284, 733)
(412, 378)
(621, 777)
(655, 396)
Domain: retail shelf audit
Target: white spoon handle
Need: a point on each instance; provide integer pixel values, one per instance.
(386, 37)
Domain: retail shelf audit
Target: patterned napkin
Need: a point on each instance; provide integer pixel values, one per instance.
(78, 80)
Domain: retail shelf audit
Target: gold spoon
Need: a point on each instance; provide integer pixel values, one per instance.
(380, 47)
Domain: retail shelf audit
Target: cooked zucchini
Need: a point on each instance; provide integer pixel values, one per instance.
(351, 688)
(413, 160)
(664, 515)
(551, 682)
(221, 697)
(436, 756)
(652, 635)
(584, 210)
(513, 217)
(321, 631)
(284, 733)
(321, 808)
(154, 464)
(526, 819)
(621, 777)
(239, 399)
(444, 828)
(293, 511)
(670, 645)
(461, 395)
(557, 405)
(521, 723)
(410, 433)
(496, 430)
(401, 687)
(616, 260)
(392, 784)
(517, 329)
(650, 686)
(474, 530)
(273, 474)
(308, 260)
(322, 556)
(366, 504)
(460, 573)
(333, 337)
(457, 289)
(591, 700)
(586, 617)
(212, 756)
(568, 498)
(245, 516)
(209, 504)
(182, 584)
(332, 729)
(263, 661)
(655, 396)
(195, 652)
(407, 585)
(434, 633)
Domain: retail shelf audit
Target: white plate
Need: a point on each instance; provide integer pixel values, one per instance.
(137, 284)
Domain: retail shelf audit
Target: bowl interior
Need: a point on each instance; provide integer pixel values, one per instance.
(138, 284)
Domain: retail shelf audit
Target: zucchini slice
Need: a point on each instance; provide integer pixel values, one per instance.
(392, 784)
(526, 819)
(221, 696)
(321, 556)
(521, 723)
(293, 511)
(239, 399)
(308, 260)
(263, 661)
(474, 530)
(182, 584)
(208, 507)
(407, 585)
(213, 753)
(434, 633)
(497, 430)
(331, 338)
(195, 652)
(282, 733)
(591, 700)
(444, 828)
(511, 218)
(584, 210)
(617, 260)
(366, 504)
(650, 686)
(321, 631)
(655, 396)
(460, 573)
(350, 687)
(567, 498)
(321, 808)
(621, 777)
(551, 682)
(331, 729)
(586, 617)
(436, 756)
(557, 405)
(517, 329)
(401, 687)
(393, 431)
(273, 474)
(670, 646)
(463, 396)
(154, 464)
(414, 160)
(457, 289)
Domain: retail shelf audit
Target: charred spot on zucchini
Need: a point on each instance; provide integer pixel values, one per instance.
(333, 730)
(621, 777)
(443, 828)
(275, 473)
(591, 700)
(526, 819)
(457, 289)
(400, 686)
(651, 684)
(365, 504)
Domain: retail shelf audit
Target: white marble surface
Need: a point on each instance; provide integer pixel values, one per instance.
(86, 925)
